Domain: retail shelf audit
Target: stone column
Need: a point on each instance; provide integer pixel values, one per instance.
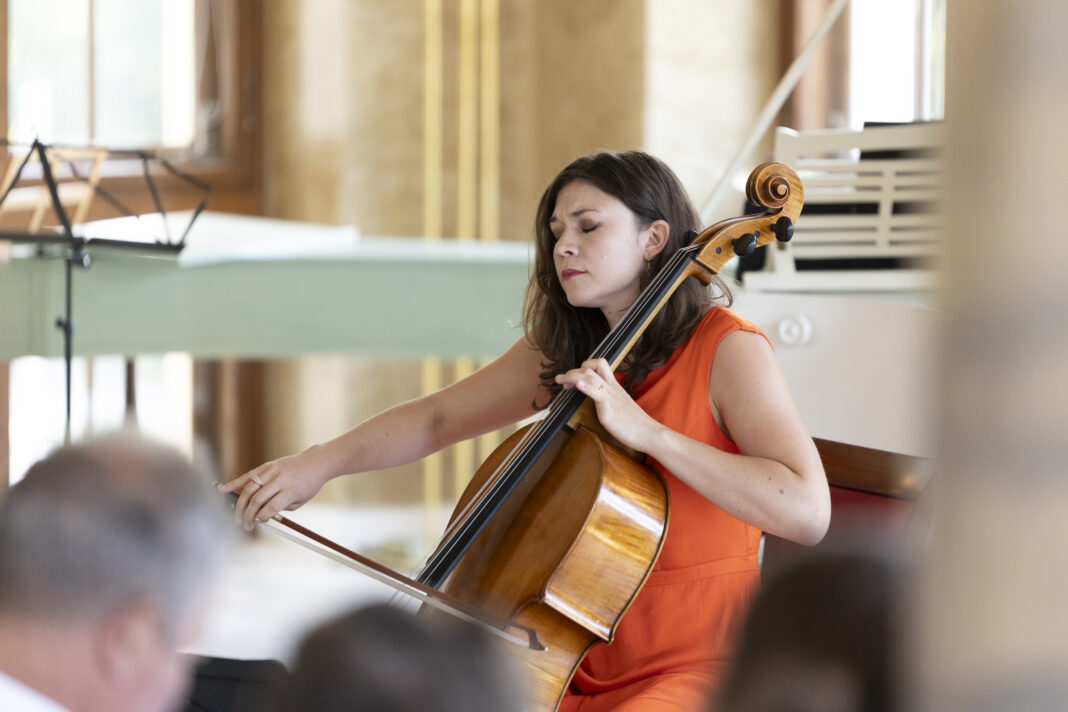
(990, 623)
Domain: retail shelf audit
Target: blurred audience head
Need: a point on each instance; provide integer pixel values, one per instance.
(820, 637)
(106, 552)
(386, 659)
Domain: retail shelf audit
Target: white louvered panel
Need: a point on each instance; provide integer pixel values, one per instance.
(838, 141)
(912, 221)
(874, 281)
(864, 184)
(855, 251)
(830, 168)
(842, 197)
(900, 166)
(915, 237)
(904, 239)
(862, 223)
(808, 224)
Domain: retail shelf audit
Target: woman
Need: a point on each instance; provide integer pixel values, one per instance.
(700, 394)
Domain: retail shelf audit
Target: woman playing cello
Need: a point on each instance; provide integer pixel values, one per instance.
(700, 394)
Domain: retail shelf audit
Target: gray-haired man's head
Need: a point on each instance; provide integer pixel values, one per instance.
(94, 525)
(106, 552)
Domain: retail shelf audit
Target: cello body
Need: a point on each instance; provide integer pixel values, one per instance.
(567, 554)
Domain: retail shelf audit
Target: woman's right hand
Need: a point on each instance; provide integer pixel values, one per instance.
(282, 484)
(495, 395)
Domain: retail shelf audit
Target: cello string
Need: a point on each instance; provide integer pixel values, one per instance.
(561, 409)
(619, 336)
(563, 401)
(490, 496)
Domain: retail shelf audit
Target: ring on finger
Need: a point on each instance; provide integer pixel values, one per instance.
(257, 480)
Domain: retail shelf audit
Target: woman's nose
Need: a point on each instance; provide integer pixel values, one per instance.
(565, 244)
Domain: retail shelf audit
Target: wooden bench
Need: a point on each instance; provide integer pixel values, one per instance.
(873, 500)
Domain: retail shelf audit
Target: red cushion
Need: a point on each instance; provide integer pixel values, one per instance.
(858, 519)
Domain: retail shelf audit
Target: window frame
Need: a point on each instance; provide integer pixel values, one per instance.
(235, 173)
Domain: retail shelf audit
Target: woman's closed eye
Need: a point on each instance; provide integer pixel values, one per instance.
(591, 227)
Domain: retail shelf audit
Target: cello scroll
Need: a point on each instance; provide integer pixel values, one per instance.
(774, 186)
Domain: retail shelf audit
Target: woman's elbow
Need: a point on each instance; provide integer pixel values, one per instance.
(816, 516)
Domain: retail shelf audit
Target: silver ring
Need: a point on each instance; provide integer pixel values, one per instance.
(257, 480)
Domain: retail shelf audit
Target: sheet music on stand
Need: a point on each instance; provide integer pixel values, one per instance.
(74, 249)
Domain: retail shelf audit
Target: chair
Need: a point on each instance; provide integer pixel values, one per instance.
(873, 501)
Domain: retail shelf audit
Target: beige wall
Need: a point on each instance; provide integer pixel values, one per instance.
(710, 67)
(344, 138)
(343, 94)
(572, 83)
(344, 105)
(342, 113)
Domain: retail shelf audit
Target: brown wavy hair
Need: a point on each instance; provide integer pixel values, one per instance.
(567, 335)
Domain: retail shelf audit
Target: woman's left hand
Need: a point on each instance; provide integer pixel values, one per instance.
(616, 410)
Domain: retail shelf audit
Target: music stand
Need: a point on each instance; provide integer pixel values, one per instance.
(76, 249)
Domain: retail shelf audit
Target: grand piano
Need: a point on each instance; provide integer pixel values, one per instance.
(250, 287)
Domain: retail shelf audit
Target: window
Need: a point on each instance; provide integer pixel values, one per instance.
(175, 77)
(114, 73)
(897, 63)
(164, 391)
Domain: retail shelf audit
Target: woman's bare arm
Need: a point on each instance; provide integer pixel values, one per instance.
(777, 483)
(496, 395)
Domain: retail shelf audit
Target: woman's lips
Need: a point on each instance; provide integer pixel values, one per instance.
(569, 273)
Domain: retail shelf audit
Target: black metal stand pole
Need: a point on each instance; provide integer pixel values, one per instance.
(66, 325)
(76, 254)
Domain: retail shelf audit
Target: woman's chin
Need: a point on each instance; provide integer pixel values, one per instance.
(578, 302)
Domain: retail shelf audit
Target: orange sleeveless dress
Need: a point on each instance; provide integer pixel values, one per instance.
(674, 642)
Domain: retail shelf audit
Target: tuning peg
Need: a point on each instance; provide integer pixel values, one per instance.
(784, 229)
(745, 244)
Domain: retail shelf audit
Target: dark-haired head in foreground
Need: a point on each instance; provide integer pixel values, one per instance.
(819, 638)
(386, 659)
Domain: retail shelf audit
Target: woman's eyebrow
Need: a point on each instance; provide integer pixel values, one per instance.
(575, 214)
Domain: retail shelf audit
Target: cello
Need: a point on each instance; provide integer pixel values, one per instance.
(560, 527)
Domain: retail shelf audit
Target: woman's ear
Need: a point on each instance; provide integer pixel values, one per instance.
(656, 238)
